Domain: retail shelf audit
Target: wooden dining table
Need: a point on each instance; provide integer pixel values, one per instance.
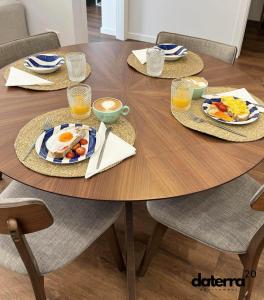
(171, 160)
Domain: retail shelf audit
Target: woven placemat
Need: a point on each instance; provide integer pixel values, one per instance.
(29, 133)
(253, 131)
(59, 77)
(188, 65)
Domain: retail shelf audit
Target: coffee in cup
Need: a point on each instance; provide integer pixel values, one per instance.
(108, 110)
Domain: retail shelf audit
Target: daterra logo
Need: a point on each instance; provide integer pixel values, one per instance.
(199, 281)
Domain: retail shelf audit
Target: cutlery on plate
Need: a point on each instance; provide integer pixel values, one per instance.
(217, 96)
(202, 120)
(46, 126)
(103, 147)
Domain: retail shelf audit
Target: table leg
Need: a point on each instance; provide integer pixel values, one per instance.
(130, 252)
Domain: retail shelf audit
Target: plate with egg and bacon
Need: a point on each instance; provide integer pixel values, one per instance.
(231, 110)
(67, 143)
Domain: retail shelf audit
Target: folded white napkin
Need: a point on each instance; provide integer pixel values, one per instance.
(115, 151)
(141, 55)
(18, 77)
(240, 93)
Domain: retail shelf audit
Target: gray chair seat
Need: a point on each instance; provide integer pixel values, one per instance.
(77, 224)
(220, 217)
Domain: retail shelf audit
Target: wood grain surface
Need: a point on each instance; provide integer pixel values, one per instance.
(171, 160)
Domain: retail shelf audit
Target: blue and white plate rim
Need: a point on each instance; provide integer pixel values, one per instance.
(254, 112)
(28, 62)
(183, 51)
(92, 146)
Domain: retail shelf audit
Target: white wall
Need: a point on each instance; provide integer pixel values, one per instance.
(218, 20)
(212, 19)
(67, 17)
(109, 17)
(255, 10)
(80, 21)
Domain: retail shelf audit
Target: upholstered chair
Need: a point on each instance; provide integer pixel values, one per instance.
(41, 232)
(12, 51)
(13, 23)
(224, 52)
(220, 218)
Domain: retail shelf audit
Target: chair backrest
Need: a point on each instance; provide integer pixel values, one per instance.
(257, 201)
(14, 50)
(13, 24)
(31, 215)
(226, 53)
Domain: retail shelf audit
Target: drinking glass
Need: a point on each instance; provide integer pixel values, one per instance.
(79, 98)
(181, 95)
(155, 61)
(76, 65)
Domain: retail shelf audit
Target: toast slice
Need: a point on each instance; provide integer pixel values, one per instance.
(242, 117)
(60, 153)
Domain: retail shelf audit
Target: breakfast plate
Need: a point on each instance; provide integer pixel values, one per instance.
(44, 63)
(231, 110)
(172, 51)
(58, 138)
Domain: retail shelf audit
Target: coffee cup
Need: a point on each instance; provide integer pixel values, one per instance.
(108, 110)
(199, 86)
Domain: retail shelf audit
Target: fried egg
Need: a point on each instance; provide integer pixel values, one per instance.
(236, 107)
(63, 139)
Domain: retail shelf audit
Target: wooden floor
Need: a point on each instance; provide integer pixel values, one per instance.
(251, 59)
(94, 276)
(94, 25)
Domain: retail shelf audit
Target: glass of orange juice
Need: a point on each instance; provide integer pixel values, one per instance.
(181, 95)
(79, 98)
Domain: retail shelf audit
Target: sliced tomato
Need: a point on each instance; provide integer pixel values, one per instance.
(76, 146)
(83, 142)
(70, 154)
(221, 106)
(80, 151)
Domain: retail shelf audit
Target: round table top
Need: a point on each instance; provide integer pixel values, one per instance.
(171, 160)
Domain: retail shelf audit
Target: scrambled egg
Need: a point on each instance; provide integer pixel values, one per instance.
(235, 106)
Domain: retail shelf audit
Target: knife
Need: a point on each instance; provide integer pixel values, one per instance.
(103, 148)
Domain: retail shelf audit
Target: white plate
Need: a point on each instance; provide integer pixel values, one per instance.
(172, 51)
(91, 147)
(44, 63)
(254, 112)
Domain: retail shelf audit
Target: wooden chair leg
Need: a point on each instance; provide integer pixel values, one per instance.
(250, 262)
(130, 251)
(38, 287)
(115, 248)
(37, 280)
(152, 248)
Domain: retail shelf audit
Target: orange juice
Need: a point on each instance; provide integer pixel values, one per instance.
(181, 96)
(180, 102)
(80, 108)
(79, 98)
